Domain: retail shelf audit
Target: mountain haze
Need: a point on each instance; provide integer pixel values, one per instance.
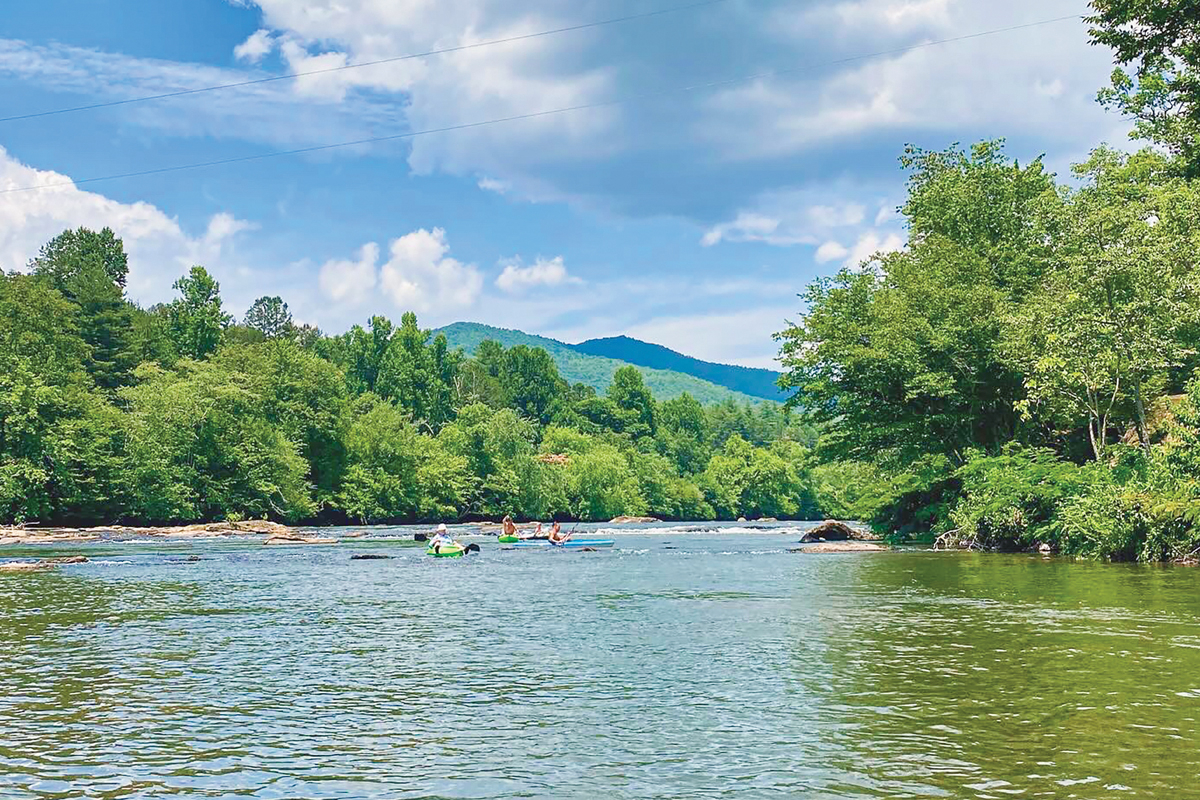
(747, 380)
(594, 370)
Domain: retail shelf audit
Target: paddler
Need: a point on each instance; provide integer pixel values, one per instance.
(440, 538)
(537, 533)
(509, 527)
(556, 534)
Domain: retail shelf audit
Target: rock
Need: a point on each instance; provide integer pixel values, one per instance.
(741, 519)
(369, 557)
(26, 566)
(293, 539)
(834, 531)
(1045, 547)
(841, 547)
(632, 520)
(260, 526)
(67, 560)
(767, 519)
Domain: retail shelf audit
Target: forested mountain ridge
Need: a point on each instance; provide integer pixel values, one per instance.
(756, 382)
(577, 366)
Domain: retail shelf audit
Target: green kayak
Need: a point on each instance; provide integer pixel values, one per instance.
(447, 551)
(508, 539)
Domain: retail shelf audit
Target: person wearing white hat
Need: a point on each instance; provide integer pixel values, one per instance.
(440, 538)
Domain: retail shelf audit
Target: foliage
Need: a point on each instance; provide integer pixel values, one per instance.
(1158, 39)
(270, 317)
(195, 318)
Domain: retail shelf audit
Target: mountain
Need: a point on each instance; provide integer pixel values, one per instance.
(596, 371)
(747, 380)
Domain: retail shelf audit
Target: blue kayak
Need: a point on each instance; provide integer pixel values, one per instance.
(569, 543)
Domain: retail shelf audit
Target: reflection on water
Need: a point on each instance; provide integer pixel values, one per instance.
(720, 667)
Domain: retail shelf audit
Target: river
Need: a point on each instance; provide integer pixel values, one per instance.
(675, 665)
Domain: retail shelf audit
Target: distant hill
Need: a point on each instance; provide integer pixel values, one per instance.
(747, 380)
(596, 371)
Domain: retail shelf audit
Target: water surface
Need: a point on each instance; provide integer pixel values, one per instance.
(676, 665)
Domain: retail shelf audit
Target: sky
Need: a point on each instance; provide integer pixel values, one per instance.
(728, 152)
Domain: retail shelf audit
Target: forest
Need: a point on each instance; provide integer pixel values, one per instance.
(1024, 374)
(114, 413)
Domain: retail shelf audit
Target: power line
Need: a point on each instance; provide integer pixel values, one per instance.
(536, 114)
(426, 54)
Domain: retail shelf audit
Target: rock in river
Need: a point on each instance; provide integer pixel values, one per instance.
(841, 547)
(300, 540)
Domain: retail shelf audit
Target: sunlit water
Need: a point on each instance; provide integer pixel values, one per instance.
(676, 665)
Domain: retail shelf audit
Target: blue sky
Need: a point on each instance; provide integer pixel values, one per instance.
(689, 218)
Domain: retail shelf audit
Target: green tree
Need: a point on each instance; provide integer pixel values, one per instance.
(1158, 83)
(90, 269)
(195, 318)
(270, 317)
(1113, 315)
(628, 390)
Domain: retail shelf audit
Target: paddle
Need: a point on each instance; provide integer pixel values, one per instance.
(420, 537)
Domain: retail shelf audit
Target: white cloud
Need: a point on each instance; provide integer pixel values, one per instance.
(351, 281)
(256, 47)
(158, 247)
(934, 88)
(869, 244)
(517, 277)
(831, 251)
(790, 217)
(418, 276)
(493, 185)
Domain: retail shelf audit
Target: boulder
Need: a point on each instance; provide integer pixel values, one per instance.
(632, 520)
(369, 557)
(26, 566)
(66, 560)
(834, 531)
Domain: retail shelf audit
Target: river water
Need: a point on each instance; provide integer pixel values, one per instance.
(675, 665)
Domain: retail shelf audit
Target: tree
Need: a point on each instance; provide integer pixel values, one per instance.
(1113, 315)
(628, 390)
(270, 316)
(83, 256)
(90, 269)
(903, 357)
(195, 318)
(531, 382)
(1159, 40)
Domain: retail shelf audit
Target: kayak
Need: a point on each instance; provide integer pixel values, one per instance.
(568, 543)
(447, 551)
(507, 539)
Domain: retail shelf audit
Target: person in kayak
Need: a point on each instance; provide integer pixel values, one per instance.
(442, 537)
(557, 536)
(535, 534)
(509, 528)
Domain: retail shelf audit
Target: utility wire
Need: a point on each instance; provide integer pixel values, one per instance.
(426, 54)
(545, 113)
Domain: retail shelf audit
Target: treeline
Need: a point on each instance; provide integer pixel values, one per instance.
(177, 413)
(1024, 375)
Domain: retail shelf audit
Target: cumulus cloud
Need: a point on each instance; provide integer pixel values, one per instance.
(872, 243)
(256, 47)
(517, 277)
(351, 281)
(418, 275)
(830, 251)
(159, 249)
